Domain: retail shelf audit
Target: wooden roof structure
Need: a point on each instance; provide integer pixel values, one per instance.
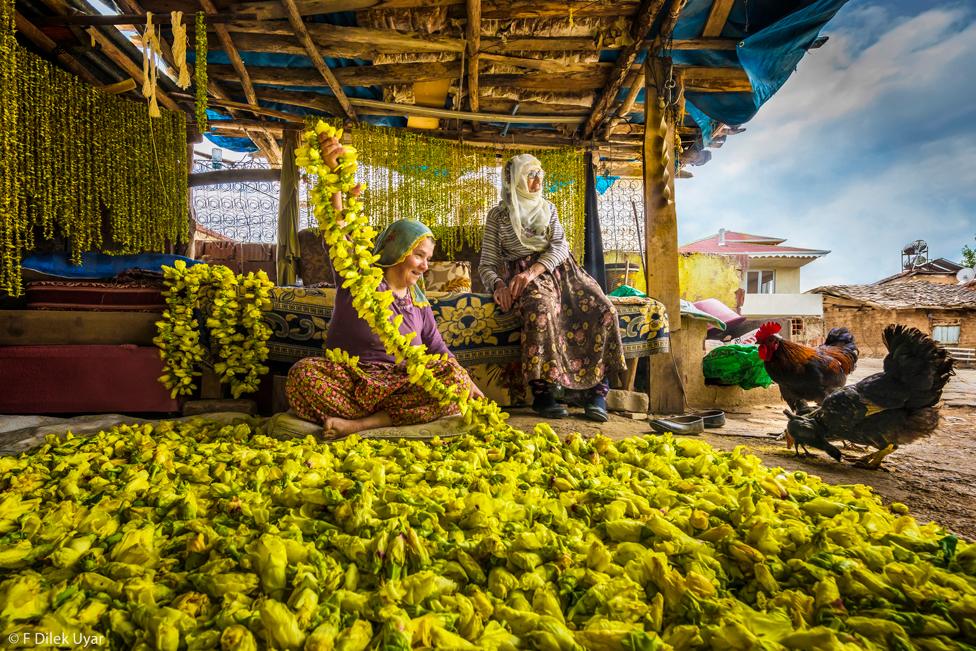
(541, 73)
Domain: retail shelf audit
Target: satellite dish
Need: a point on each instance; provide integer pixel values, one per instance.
(965, 275)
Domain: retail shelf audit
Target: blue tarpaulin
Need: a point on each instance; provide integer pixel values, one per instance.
(99, 265)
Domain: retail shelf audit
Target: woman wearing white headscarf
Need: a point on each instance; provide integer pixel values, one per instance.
(570, 337)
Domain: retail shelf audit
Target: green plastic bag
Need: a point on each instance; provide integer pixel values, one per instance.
(627, 290)
(735, 365)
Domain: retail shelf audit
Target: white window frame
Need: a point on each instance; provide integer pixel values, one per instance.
(759, 283)
(947, 333)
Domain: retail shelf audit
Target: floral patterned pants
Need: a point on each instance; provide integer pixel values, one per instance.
(570, 335)
(318, 389)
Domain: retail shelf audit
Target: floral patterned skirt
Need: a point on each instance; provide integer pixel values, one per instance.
(318, 389)
(570, 334)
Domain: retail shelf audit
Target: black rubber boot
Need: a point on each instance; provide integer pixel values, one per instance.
(545, 403)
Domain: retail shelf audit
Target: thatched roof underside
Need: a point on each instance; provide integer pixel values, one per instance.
(569, 70)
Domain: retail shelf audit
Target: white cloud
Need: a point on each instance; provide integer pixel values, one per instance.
(870, 145)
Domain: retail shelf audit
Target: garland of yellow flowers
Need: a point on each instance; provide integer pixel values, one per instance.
(231, 307)
(12, 228)
(200, 72)
(84, 166)
(350, 239)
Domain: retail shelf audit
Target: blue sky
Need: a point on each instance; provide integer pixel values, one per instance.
(871, 144)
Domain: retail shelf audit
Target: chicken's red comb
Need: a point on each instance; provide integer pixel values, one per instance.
(767, 330)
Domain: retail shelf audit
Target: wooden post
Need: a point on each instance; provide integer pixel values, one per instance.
(661, 231)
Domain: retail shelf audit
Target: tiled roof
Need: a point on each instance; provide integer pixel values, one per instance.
(743, 248)
(747, 244)
(917, 294)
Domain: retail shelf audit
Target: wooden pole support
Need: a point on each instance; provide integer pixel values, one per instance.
(661, 231)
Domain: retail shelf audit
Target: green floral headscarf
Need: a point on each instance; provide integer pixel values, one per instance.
(396, 242)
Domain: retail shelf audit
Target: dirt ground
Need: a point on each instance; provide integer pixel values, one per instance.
(935, 477)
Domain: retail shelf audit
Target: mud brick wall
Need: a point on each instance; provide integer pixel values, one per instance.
(867, 324)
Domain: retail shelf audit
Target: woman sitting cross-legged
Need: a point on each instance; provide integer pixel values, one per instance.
(377, 392)
(570, 336)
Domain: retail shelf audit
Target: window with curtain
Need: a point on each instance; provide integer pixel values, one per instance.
(946, 334)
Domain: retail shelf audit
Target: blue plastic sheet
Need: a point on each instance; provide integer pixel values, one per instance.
(99, 265)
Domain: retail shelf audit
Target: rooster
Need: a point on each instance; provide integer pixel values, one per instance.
(886, 409)
(804, 373)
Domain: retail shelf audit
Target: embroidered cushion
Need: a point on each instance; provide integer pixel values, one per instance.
(448, 276)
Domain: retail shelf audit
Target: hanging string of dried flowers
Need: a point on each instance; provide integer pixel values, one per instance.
(179, 49)
(451, 186)
(200, 72)
(87, 167)
(12, 228)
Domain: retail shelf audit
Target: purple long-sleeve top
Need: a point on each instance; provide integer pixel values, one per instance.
(350, 333)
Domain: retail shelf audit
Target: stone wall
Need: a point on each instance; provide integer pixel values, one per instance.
(867, 323)
(688, 347)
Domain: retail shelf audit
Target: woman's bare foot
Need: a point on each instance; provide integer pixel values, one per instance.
(336, 427)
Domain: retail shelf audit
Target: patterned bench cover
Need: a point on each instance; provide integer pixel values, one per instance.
(474, 330)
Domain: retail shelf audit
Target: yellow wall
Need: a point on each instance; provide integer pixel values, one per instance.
(708, 276)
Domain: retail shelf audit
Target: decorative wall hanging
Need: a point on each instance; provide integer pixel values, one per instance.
(451, 186)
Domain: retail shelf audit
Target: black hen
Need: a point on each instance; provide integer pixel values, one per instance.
(886, 409)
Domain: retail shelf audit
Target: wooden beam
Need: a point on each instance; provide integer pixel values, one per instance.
(298, 26)
(411, 109)
(271, 10)
(227, 176)
(540, 44)
(318, 102)
(121, 59)
(571, 82)
(257, 110)
(370, 75)
(492, 9)
(240, 124)
(661, 233)
(703, 79)
(704, 44)
(328, 36)
(716, 18)
(49, 47)
(135, 19)
(267, 145)
(500, 105)
(513, 9)
(639, 30)
(364, 43)
(545, 65)
(473, 33)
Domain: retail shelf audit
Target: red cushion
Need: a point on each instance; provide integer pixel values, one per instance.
(89, 295)
(82, 379)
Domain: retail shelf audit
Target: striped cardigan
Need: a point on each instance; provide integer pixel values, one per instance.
(500, 245)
